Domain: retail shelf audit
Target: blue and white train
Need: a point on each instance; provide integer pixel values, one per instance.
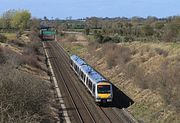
(99, 87)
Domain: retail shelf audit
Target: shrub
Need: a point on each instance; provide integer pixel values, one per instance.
(116, 54)
(33, 48)
(106, 39)
(3, 58)
(131, 70)
(161, 52)
(18, 42)
(117, 39)
(110, 60)
(128, 39)
(140, 78)
(124, 54)
(99, 38)
(3, 38)
(23, 97)
(87, 31)
(34, 36)
(166, 80)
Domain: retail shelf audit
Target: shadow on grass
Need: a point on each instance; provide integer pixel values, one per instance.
(120, 99)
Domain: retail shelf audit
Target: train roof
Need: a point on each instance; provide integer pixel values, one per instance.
(78, 60)
(92, 73)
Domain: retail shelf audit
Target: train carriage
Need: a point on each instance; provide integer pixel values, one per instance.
(99, 87)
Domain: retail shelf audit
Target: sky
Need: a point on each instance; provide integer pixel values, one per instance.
(99, 8)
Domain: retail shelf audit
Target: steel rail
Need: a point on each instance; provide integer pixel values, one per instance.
(79, 114)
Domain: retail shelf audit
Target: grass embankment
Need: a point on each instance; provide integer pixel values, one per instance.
(25, 91)
(148, 72)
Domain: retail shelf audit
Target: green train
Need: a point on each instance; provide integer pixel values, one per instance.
(47, 33)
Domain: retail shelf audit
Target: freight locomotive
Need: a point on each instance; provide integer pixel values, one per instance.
(99, 87)
(47, 33)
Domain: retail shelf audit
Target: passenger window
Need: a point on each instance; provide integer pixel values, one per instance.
(94, 89)
(84, 77)
(87, 81)
(81, 74)
(90, 85)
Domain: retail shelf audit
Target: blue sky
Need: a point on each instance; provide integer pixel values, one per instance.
(99, 8)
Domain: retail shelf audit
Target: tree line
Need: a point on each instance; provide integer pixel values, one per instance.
(122, 29)
(13, 20)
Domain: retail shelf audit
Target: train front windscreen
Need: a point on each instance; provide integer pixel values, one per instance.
(102, 89)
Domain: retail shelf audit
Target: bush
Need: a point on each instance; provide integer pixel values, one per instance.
(169, 78)
(117, 39)
(3, 38)
(18, 42)
(99, 37)
(140, 78)
(87, 31)
(3, 58)
(33, 48)
(128, 39)
(116, 54)
(161, 52)
(106, 39)
(131, 70)
(23, 98)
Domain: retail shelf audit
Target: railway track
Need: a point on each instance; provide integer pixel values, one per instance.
(77, 98)
(80, 109)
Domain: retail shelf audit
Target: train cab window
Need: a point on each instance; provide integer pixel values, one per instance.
(103, 89)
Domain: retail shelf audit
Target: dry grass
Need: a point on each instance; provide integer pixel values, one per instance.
(24, 98)
(10, 36)
(148, 72)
